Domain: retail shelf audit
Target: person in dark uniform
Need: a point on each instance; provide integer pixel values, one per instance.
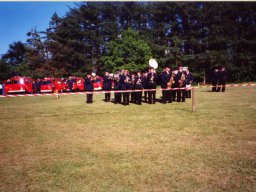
(165, 83)
(189, 80)
(125, 80)
(222, 79)
(174, 85)
(38, 86)
(145, 86)
(138, 85)
(133, 94)
(33, 87)
(152, 79)
(107, 85)
(88, 87)
(70, 85)
(117, 86)
(215, 77)
(181, 93)
(178, 83)
(139, 82)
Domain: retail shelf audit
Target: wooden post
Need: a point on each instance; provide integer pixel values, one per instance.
(57, 94)
(193, 99)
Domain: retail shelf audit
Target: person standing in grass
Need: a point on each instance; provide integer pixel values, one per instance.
(165, 81)
(107, 84)
(88, 87)
(178, 83)
(189, 80)
(133, 94)
(117, 86)
(152, 79)
(38, 86)
(145, 85)
(215, 77)
(222, 79)
(139, 82)
(125, 80)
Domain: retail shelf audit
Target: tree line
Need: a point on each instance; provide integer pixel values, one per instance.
(112, 35)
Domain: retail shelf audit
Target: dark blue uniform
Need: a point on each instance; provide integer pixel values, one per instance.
(181, 94)
(151, 80)
(215, 77)
(139, 83)
(38, 86)
(117, 87)
(107, 85)
(125, 81)
(88, 87)
(189, 80)
(133, 94)
(70, 85)
(165, 79)
(222, 80)
(175, 93)
(145, 86)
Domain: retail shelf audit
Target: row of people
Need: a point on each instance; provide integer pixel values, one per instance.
(146, 82)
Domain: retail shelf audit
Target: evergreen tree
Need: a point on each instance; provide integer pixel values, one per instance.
(5, 70)
(16, 54)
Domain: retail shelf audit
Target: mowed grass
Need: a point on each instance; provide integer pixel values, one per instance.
(67, 145)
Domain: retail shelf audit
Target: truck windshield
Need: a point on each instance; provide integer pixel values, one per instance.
(97, 80)
(46, 82)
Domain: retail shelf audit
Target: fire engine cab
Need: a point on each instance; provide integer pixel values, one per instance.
(50, 85)
(19, 84)
(47, 85)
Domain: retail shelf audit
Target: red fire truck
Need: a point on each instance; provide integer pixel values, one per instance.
(19, 84)
(47, 85)
(78, 84)
(51, 85)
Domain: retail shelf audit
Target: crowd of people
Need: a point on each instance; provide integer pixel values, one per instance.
(219, 78)
(130, 87)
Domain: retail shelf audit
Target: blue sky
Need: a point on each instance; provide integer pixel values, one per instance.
(18, 18)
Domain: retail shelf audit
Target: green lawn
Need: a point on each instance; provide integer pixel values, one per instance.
(67, 145)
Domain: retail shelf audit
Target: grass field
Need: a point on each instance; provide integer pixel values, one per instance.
(67, 145)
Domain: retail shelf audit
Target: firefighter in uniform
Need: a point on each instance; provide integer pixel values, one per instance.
(222, 79)
(117, 86)
(88, 87)
(125, 80)
(107, 85)
(182, 84)
(215, 77)
(145, 86)
(189, 80)
(165, 82)
(38, 86)
(133, 94)
(151, 80)
(139, 82)
(177, 85)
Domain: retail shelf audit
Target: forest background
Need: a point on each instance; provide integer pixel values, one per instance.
(116, 35)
